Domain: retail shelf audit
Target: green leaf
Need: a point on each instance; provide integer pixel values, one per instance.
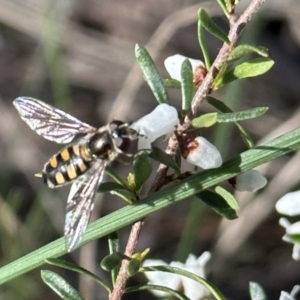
(172, 83)
(170, 195)
(295, 237)
(251, 68)
(202, 42)
(155, 287)
(164, 158)
(142, 169)
(206, 120)
(242, 115)
(245, 136)
(213, 289)
(187, 87)
(119, 190)
(242, 50)
(114, 247)
(75, 268)
(222, 4)
(133, 266)
(256, 291)
(111, 261)
(223, 108)
(212, 27)
(228, 197)
(111, 186)
(151, 74)
(109, 171)
(129, 197)
(218, 204)
(61, 287)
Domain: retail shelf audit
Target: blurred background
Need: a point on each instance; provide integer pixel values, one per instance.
(79, 57)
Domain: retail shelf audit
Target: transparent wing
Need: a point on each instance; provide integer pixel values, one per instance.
(49, 122)
(81, 203)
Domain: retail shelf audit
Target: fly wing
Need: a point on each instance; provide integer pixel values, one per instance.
(49, 122)
(80, 204)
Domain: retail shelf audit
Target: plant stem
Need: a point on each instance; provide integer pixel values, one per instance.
(204, 89)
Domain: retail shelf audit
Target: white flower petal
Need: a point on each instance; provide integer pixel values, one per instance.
(296, 252)
(173, 65)
(205, 155)
(286, 296)
(169, 280)
(284, 222)
(293, 228)
(193, 289)
(162, 120)
(289, 204)
(250, 181)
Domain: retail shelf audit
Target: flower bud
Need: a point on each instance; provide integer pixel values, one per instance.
(250, 181)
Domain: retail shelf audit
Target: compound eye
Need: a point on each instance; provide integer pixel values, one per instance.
(114, 125)
(122, 143)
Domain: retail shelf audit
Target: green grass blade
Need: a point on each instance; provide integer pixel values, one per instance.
(156, 201)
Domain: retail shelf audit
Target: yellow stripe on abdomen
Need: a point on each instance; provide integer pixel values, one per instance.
(71, 172)
(59, 178)
(65, 154)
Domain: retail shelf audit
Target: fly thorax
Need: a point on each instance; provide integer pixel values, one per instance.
(101, 145)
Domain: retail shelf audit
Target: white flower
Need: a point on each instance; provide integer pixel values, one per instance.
(162, 120)
(203, 154)
(192, 289)
(173, 65)
(291, 229)
(289, 204)
(250, 181)
(292, 296)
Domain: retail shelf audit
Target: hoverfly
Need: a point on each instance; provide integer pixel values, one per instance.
(81, 162)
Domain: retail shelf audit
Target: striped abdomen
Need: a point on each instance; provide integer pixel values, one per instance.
(67, 165)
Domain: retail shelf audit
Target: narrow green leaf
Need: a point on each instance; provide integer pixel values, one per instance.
(213, 289)
(202, 42)
(224, 8)
(256, 291)
(245, 136)
(242, 50)
(129, 197)
(164, 158)
(242, 115)
(114, 247)
(142, 169)
(212, 27)
(177, 159)
(218, 204)
(187, 87)
(117, 189)
(172, 83)
(109, 171)
(228, 197)
(151, 74)
(155, 287)
(75, 268)
(111, 186)
(251, 68)
(206, 120)
(61, 287)
(218, 104)
(172, 194)
(223, 108)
